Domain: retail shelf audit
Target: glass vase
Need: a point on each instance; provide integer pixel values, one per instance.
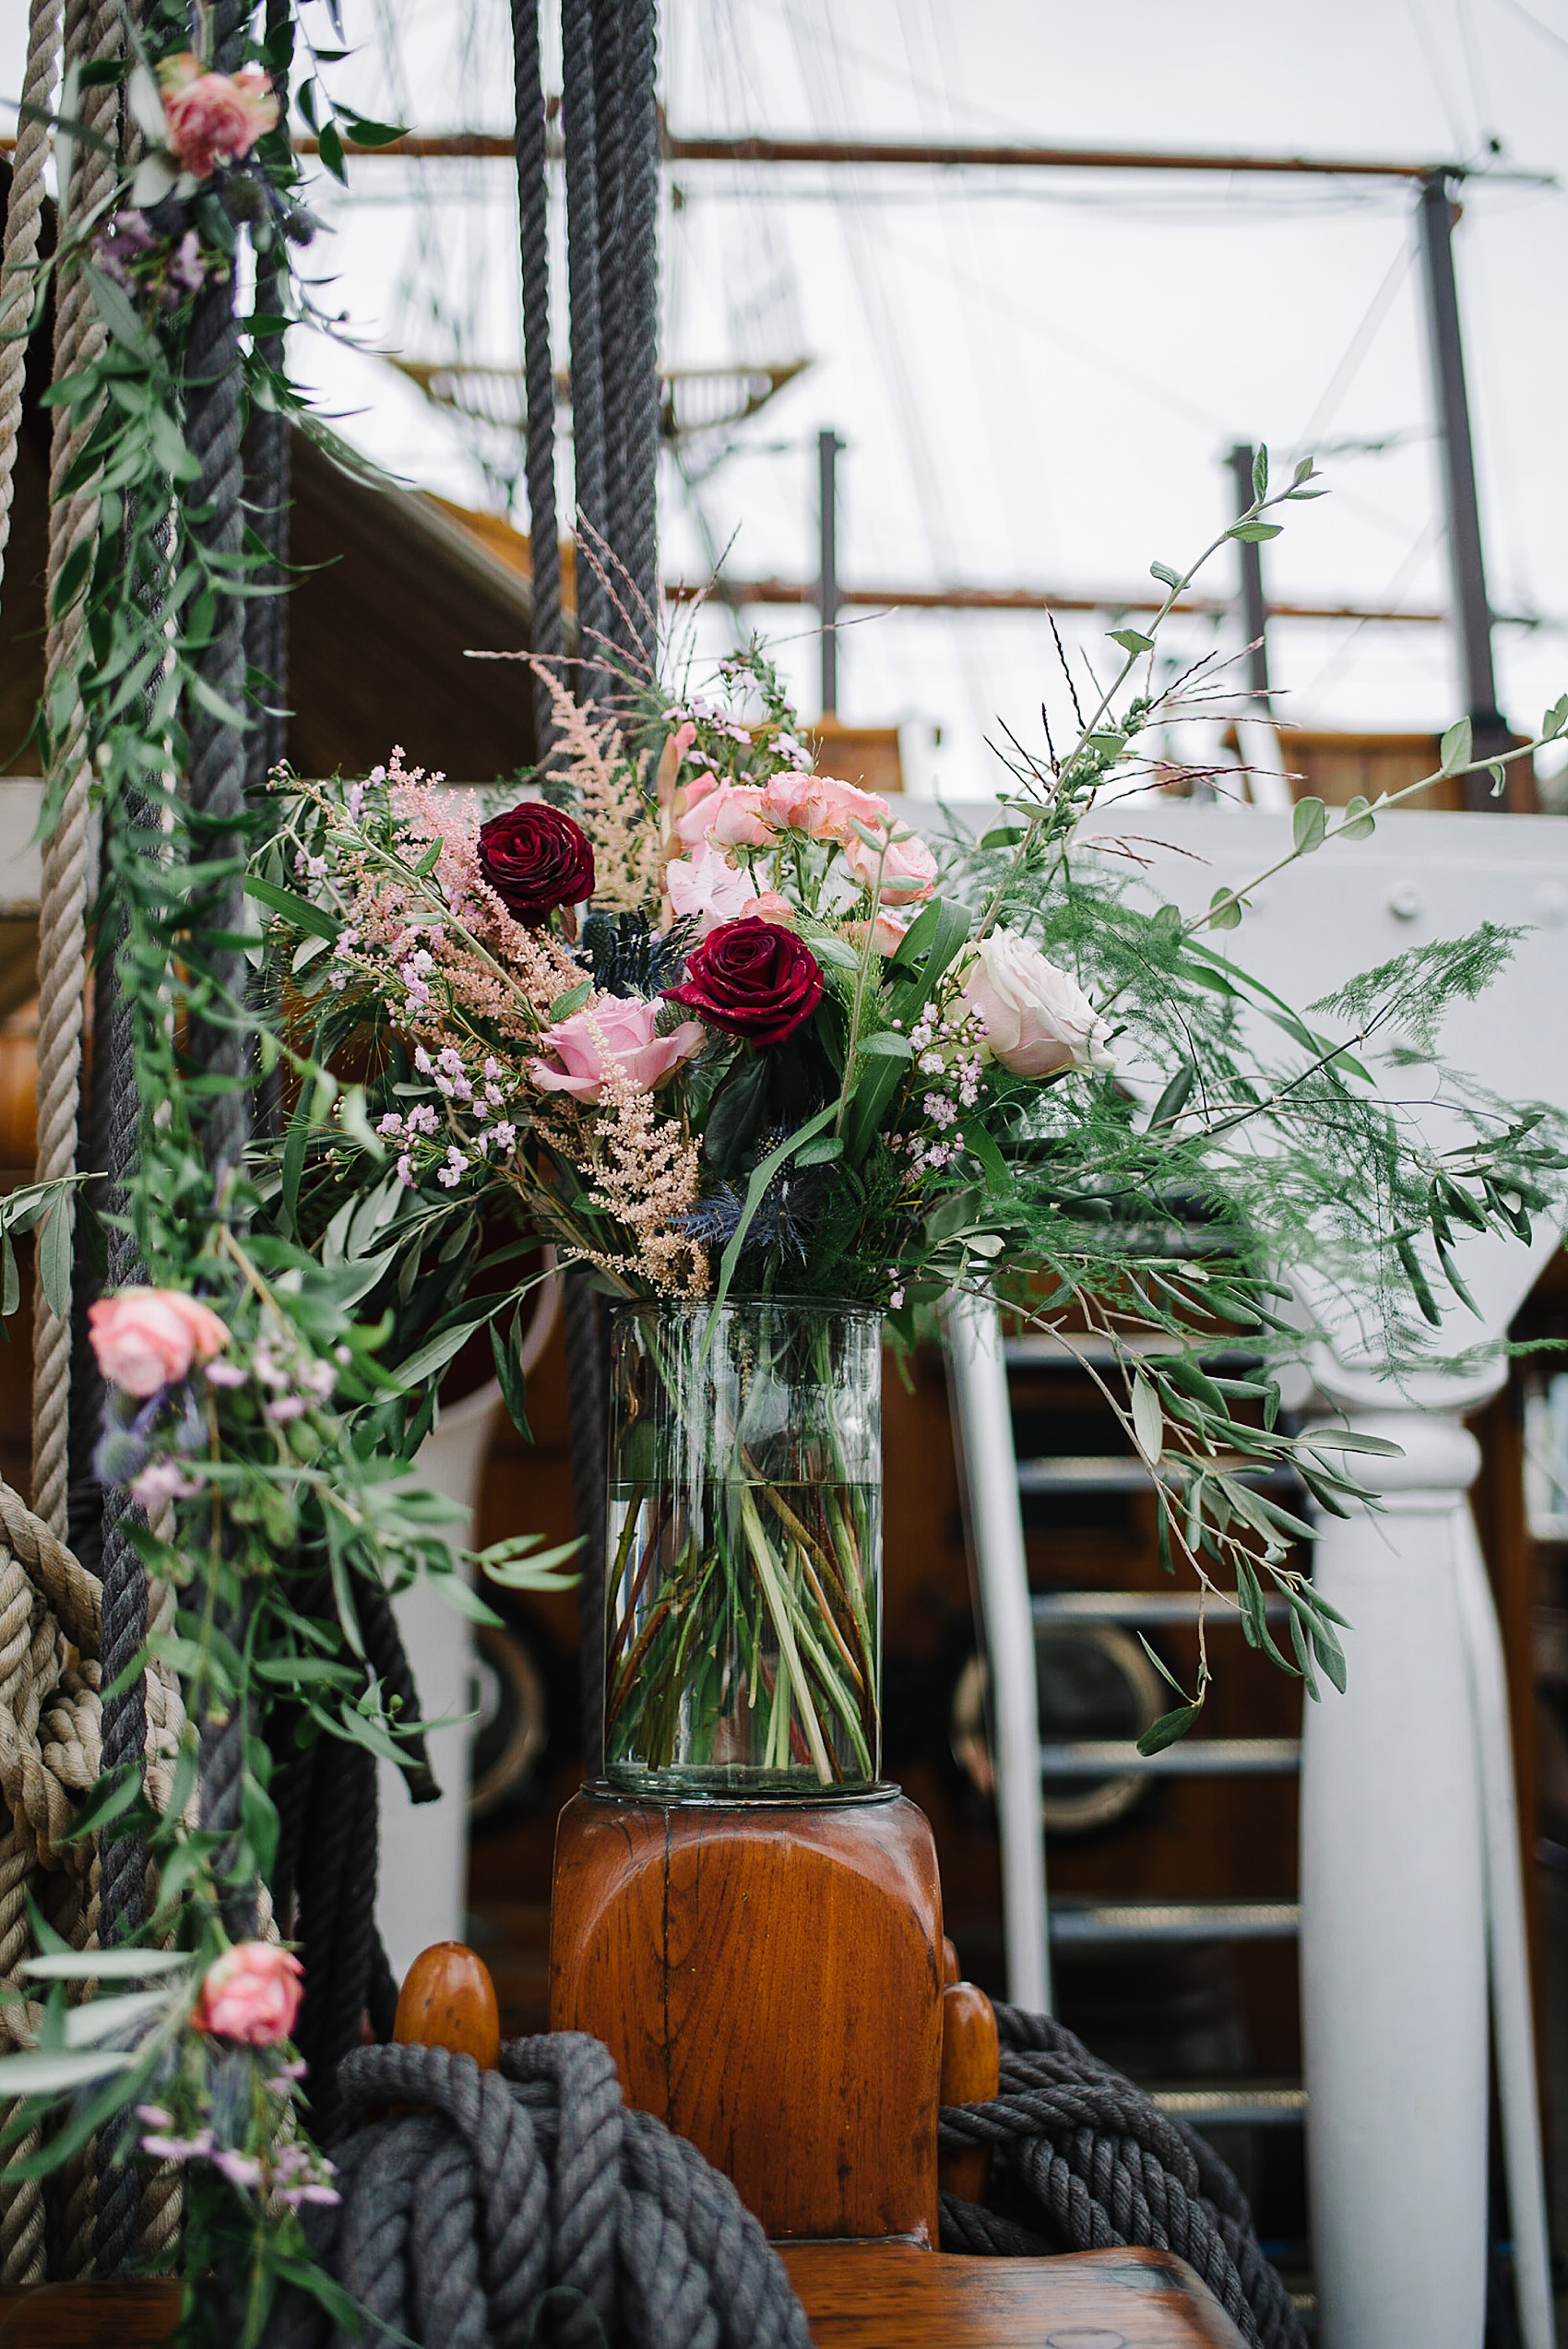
(743, 1642)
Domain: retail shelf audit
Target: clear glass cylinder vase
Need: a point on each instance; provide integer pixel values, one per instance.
(744, 1641)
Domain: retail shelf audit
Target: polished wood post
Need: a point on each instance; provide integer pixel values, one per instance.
(768, 1978)
(449, 2000)
(971, 2074)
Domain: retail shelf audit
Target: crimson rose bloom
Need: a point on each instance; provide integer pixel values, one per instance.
(536, 859)
(752, 978)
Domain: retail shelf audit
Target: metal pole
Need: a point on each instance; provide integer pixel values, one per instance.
(1471, 607)
(827, 448)
(1254, 610)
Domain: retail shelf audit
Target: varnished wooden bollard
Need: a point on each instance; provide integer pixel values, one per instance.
(972, 2073)
(449, 2000)
(768, 1980)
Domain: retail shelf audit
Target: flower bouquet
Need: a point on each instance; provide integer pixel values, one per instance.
(728, 1034)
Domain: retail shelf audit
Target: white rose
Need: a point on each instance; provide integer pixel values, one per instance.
(1037, 1019)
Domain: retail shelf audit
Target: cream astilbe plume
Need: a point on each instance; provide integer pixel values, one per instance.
(611, 802)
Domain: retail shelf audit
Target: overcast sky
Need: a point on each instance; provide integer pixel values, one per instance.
(1037, 375)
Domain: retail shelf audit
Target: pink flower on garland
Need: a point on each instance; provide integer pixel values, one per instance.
(210, 119)
(250, 1994)
(145, 1338)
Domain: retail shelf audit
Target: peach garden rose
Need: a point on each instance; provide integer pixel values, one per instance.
(250, 1994)
(145, 1339)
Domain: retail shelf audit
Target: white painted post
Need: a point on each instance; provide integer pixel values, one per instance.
(1394, 1979)
(990, 1470)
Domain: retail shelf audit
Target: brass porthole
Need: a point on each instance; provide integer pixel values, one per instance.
(1095, 1682)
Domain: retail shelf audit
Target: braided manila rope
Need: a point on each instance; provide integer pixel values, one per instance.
(93, 33)
(51, 1612)
(18, 260)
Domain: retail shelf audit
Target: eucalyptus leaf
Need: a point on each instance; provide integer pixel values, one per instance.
(1148, 1420)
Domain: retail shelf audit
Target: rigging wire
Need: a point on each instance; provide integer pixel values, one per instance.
(1355, 350)
(822, 76)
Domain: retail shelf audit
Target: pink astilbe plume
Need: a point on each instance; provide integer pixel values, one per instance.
(611, 800)
(646, 1175)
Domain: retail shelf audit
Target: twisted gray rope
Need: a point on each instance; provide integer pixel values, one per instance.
(1084, 2161)
(529, 2207)
(548, 633)
(595, 614)
(220, 1045)
(610, 178)
(636, 522)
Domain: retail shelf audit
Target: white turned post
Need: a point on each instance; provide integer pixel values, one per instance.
(991, 1472)
(1394, 1974)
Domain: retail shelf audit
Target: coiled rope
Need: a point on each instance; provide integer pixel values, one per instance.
(93, 34)
(1084, 2161)
(501, 2209)
(533, 2206)
(50, 1620)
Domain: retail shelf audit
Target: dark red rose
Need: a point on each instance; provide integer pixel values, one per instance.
(536, 859)
(752, 978)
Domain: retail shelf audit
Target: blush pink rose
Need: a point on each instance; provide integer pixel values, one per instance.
(707, 888)
(908, 869)
(251, 1994)
(212, 118)
(733, 816)
(887, 931)
(145, 1338)
(616, 1036)
(771, 906)
(822, 806)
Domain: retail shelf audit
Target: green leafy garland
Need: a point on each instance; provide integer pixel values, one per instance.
(275, 1468)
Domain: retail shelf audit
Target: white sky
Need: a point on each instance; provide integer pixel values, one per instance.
(1037, 378)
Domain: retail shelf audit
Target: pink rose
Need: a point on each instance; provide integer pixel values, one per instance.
(212, 118)
(145, 1338)
(908, 869)
(822, 806)
(771, 906)
(887, 931)
(618, 1035)
(682, 738)
(707, 888)
(251, 1994)
(733, 816)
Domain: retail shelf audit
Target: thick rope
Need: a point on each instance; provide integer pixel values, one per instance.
(610, 163)
(528, 2206)
(51, 1629)
(1084, 2161)
(93, 31)
(221, 1046)
(18, 257)
(636, 244)
(547, 631)
(335, 1922)
(595, 614)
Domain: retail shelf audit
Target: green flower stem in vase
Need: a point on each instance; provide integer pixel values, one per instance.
(744, 1586)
